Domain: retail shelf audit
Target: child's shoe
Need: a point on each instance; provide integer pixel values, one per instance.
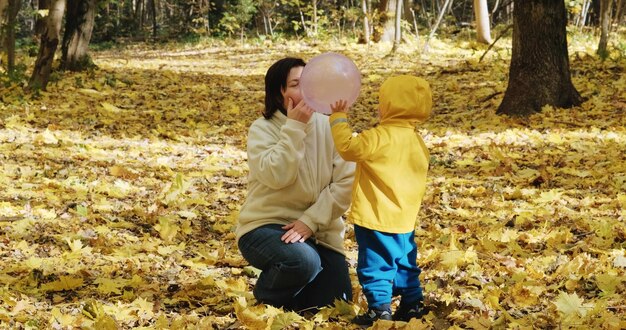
(372, 316)
(410, 311)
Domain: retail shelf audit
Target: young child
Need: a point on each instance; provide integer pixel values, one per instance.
(390, 179)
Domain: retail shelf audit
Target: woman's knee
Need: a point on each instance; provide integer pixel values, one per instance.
(304, 262)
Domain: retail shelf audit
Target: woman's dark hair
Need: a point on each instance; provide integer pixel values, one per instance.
(275, 82)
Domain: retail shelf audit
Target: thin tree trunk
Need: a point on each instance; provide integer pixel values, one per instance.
(315, 18)
(40, 25)
(398, 26)
(139, 12)
(154, 18)
(47, 48)
(4, 5)
(417, 34)
(539, 71)
(483, 30)
(366, 24)
(443, 10)
(605, 21)
(7, 38)
(79, 23)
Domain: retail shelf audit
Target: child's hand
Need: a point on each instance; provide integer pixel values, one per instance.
(340, 106)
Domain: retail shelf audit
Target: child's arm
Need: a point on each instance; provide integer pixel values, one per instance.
(351, 148)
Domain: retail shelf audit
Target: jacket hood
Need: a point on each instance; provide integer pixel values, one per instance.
(405, 99)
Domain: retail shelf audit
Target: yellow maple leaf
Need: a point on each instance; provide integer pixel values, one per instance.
(570, 305)
(107, 285)
(64, 320)
(285, 320)
(63, 283)
(549, 197)
(249, 317)
(167, 229)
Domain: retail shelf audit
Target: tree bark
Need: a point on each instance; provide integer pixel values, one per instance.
(483, 30)
(539, 71)
(605, 21)
(79, 24)
(48, 46)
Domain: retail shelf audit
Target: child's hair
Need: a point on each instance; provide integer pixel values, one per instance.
(275, 82)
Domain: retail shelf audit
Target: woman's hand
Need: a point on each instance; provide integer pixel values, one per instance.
(340, 106)
(300, 112)
(297, 231)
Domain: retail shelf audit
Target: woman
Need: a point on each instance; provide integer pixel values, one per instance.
(290, 226)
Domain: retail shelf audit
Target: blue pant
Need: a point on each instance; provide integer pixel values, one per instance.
(295, 276)
(387, 267)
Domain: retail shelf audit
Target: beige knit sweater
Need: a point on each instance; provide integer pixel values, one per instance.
(296, 173)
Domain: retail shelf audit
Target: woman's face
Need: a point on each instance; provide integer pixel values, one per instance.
(292, 88)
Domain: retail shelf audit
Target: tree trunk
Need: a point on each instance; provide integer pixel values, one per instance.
(398, 26)
(442, 11)
(154, 18)
(386, 33)
(139, 16)
(79, 23)
(366, 24)
(315, 18)
(539, 71)
(605, 21)
(483, 30)
(40, 25)
(7, 37)
(47, 48)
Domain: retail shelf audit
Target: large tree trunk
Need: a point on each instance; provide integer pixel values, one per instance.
(605, 21)
(539, 72)
(79, 23)
(47, 48)
(483, 30)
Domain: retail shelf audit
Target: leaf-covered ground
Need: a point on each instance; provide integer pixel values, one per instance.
(120, 188)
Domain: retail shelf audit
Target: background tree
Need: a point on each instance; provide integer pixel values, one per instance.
(483, 29)
(397, 26)
(8, 14)
(366, 24)
(237, 15)
(605, 21)
(539, 71)
(79, 22)
(48, 46)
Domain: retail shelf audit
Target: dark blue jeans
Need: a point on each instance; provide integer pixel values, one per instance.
(295, 276)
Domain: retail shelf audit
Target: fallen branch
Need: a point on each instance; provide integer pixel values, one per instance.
(494, 42)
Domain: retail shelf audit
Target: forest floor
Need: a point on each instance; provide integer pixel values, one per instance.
(120, 188)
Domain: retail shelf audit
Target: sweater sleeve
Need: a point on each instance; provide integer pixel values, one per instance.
(334, 200)
(275, 161)
(351, 148)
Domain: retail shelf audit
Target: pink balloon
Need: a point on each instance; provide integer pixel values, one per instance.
(328, 78)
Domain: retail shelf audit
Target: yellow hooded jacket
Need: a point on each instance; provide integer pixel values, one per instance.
(392, 159)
